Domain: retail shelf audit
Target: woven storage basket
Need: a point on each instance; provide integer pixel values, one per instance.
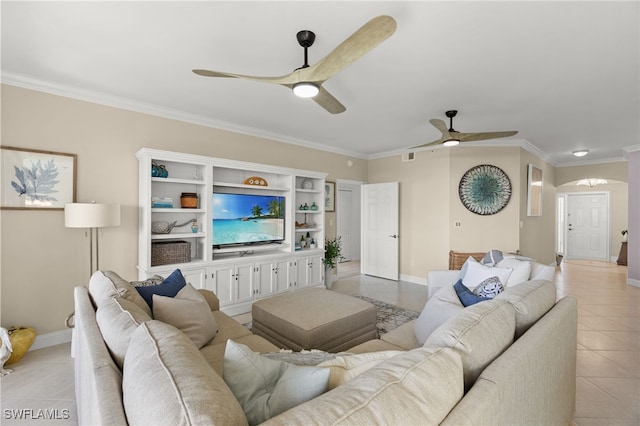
(166, 252)
(457, 259)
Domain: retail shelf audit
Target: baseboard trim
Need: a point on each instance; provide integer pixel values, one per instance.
(632, 282)
(51, 339)
(413, 279)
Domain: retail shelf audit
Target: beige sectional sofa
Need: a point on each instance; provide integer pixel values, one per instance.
(508, 361)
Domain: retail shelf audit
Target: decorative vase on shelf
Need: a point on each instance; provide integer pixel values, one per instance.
(305, 207)
(194, 227)
(307, 184)
(314, 207)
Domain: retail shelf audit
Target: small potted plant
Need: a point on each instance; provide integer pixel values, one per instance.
(332, 252)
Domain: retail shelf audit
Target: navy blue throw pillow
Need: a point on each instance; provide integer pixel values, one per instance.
(169, 287)
(466, 296)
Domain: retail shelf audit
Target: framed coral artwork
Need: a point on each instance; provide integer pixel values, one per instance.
(36, 180)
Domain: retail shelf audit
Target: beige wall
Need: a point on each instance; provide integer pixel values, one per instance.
(429, 205)
(482, 233)
(41, 259)
(616, 171)
(424, 208)
(538, 233)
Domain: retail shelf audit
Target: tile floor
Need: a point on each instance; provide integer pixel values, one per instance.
(608, 360)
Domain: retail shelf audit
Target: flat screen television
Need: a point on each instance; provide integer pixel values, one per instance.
(244, 219)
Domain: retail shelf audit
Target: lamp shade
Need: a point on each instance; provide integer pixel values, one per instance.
(91, 215)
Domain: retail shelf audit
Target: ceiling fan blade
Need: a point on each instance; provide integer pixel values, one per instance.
(436, 142)
(440, 125)
(471, 137)
(328, 102)
(353, 48)
(286, 80)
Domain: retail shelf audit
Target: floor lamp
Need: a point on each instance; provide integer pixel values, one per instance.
(91, 216)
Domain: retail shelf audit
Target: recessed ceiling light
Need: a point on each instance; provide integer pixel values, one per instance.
(581, 152)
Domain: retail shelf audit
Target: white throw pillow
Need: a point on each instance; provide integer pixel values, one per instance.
(189, 312)
(440, 307)
(521, 270)
(477, 273)
(265, 387)
(345, 368)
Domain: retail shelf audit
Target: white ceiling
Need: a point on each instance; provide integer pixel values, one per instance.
(565, 74)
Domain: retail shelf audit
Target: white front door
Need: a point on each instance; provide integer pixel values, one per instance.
(380, 230)
(588, 226)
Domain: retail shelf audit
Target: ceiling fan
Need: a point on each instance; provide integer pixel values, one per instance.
(307, 81)
(451, 137)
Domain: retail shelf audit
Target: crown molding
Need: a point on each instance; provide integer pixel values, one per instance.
(101, 98)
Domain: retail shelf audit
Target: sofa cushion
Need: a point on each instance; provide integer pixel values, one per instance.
(520, 270)
(349, 366)
(418, 387)
(169, 287)
(189, 312)
(440, 307)
(403, 336)
(266, 387)
(166, 381)
(103, 285)
(117, 319)
(477, 273)
(480, 333)
(531, 301)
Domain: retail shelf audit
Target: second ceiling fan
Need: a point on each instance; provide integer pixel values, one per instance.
(451, 137)
(307, 81)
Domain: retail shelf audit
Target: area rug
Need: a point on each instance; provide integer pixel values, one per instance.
(388, 316)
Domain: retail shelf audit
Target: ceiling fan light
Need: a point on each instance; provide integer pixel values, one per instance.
(581, 152)
(305, 89)
(451, 142)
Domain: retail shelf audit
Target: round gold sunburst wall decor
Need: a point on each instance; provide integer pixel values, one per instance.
(485, 189)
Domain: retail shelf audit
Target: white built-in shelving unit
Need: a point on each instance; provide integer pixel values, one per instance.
(238, 275)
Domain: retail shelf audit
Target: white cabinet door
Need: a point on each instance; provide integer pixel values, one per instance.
(281, 281)
(223, 283)
(196, 277)
(264, 279)
(310, 271)
(316, 271)
(244, 277)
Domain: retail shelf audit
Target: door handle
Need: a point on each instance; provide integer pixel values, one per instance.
(394, 236)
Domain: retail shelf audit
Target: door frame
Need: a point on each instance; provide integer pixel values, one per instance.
(351, 184)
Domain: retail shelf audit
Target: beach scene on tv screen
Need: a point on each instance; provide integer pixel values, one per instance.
(245, 219)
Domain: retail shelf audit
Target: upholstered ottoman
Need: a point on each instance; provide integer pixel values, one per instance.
(314, 319)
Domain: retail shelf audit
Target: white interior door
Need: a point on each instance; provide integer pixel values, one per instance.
(380, 230)
(588, 226)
